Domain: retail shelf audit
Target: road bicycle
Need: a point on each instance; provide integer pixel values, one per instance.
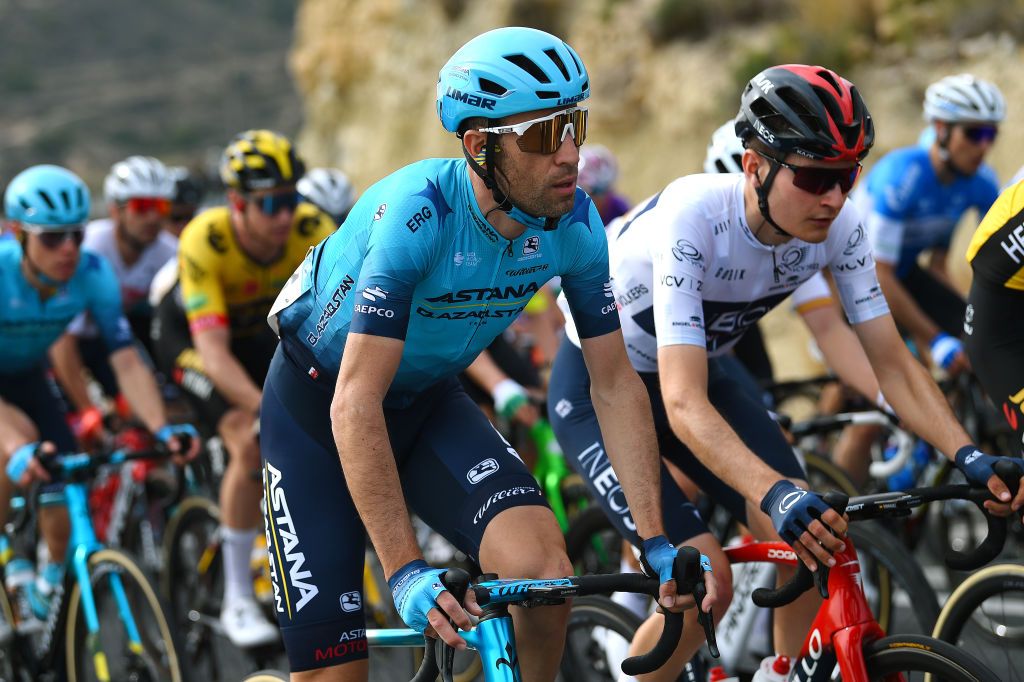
(101, 586)
(844, 638)
(493, 637)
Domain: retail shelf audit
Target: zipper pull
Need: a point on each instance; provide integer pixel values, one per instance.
(508, 249)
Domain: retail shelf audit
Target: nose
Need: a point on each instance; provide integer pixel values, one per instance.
(834, 197)
(567, 152)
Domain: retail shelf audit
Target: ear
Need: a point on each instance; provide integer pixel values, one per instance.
(943, 131)
(475, 142)
(237, 200)
(751, 163)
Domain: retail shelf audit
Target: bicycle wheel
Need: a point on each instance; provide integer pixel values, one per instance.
(156, 661)
(985, 615)
(593, 544)
(193, 582)
(597, 640)
(919, 658)
(887, 566)
(823, 475)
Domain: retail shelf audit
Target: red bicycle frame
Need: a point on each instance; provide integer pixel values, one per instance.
(843, 624)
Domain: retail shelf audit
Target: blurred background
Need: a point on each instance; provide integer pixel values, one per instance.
(84, 84)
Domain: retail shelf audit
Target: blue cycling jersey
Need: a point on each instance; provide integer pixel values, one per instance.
(416, 260)
(908, 210)
(28, 324)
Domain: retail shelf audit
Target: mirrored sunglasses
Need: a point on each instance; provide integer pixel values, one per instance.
(819, 180)
(52, 239)
(149, 204)
(979, 134)
(544, 135)
(271, 204)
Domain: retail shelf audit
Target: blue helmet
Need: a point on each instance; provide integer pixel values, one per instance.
(508, 71)
(47, 195)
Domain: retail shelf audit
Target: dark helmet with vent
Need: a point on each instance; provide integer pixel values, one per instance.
(509, 71)
(806, 110)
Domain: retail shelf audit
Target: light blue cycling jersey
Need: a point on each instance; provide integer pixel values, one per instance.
(416, 260)
(28, 324)
(907, 210)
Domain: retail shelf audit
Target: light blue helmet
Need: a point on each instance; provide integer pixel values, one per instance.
(508, 71)
(47, 195)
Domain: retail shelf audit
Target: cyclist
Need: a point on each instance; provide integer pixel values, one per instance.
(994, 320)
(189, 188)
(598, 172)
(133, 240)
(388, 300)
(698, 263)
(46, 279)
(330, 190)
(912, 200)
(211, 336)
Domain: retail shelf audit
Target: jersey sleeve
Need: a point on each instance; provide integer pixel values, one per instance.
(201, 287)
(399, 254)
(680, 259)
(853, 268)
(811, 295)
(889, 196)
(586, 280)
(105, 303)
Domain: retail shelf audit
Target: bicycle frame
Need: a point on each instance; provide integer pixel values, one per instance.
(843, 624)
(492, 638)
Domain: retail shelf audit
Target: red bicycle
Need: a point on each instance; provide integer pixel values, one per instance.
(845, 642)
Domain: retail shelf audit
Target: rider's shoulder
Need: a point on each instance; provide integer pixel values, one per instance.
(196, 237)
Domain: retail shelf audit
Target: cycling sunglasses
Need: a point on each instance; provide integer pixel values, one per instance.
(544, 135)
(52, 239)
(979, 134)
(271, 204)
(149, 204)
(818, 180)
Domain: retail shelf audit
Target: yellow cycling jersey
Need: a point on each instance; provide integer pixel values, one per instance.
(222, 286)
(996, 252)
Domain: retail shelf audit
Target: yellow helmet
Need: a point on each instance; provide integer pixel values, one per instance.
(260, 159)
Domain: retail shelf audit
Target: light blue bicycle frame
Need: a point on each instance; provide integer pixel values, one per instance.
(493, 638)
(84, 544)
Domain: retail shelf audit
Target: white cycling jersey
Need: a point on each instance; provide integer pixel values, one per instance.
(687, 269)
(135, 279)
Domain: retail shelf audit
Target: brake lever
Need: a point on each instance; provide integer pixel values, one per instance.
(706, 619)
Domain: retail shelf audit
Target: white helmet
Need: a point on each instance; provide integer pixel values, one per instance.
(330, 189)
(138, 176)
(598, 169)
(964, 98)
(725, 150)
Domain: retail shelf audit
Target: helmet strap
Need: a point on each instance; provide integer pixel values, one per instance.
(762, 190)
(504, 203)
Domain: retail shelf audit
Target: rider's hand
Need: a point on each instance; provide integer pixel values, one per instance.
(425, 605)
(948, 353)
(87, 425)
(977, 468)
(512, 401)
(806, 522)
(657, 557)
(23, 467)
(173, 435)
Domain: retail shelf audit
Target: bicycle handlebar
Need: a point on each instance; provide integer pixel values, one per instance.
(689, 578)
(78, 466)
(897, 504)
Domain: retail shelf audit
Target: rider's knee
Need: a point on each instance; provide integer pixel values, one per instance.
(236, 429)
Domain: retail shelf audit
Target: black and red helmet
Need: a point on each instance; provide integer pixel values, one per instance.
(806, 110)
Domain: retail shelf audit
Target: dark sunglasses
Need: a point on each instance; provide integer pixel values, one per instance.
(817, 180)
(271, 204)
(544, 135)
(52, 239)
(149, 204)
(979, 134)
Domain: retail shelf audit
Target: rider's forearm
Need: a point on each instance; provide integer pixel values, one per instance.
(905, 310)
(229, 377)
(372, 477)
(910, 390)
(68, 366)
(624, 414)
(842, 350)
(698, 424)
(485, 373)
(136, 381)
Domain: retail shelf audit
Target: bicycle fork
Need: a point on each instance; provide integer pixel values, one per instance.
(85, 543)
